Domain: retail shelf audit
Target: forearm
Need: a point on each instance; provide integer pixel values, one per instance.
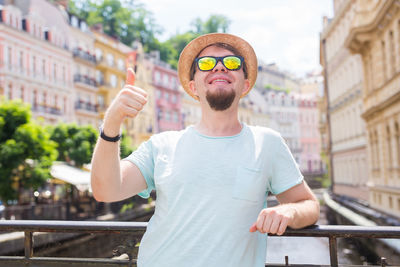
(305, 213)
(105, 173)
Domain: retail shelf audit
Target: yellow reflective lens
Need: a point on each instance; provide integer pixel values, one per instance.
(232, 63)
(206, 63)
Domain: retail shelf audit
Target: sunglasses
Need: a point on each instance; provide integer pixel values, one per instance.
(208, 63)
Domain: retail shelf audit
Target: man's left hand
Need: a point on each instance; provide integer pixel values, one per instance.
(274, 220)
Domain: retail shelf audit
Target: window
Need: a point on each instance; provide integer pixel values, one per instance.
(44, 67)
(157, 77)
(166, 80)
(174, 99)
(9, 57)
(121, 64)
(158, 94)
(64, 74)
(21, 60)
(113, 80)
(34, 65)
(99, 54)
(110, 59)
(166, 96)
(55, 71)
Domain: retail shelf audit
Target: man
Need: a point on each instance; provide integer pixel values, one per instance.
(211, 179)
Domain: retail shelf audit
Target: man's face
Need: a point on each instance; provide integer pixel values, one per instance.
(220, 87)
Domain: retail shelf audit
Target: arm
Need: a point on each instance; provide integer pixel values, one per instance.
(298, 208)
(112, 179)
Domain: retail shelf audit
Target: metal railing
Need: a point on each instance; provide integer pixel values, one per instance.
(88, 227)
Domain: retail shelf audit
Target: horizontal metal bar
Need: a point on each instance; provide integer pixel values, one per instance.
(11, 261)
(119, 227)
(71, 226)
(346, 231)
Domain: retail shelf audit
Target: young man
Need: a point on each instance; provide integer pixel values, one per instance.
(211, 179)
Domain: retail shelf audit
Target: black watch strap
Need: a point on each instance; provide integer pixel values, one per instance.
(107, 138)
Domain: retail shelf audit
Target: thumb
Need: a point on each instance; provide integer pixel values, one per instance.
(253, 228)
(130, 77)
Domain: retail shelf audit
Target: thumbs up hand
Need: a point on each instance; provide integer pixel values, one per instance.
(128, 103)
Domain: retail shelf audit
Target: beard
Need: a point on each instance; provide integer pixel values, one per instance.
(220, 99)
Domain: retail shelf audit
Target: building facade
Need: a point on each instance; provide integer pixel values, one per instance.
(81, 44)
(310, 140)
(375, 37)
(344, 81)
(36, 65)
(168, 97)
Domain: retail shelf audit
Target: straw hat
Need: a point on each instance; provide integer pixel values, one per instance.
(191, 50)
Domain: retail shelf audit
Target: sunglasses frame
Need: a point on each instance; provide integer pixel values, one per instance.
(220, 59)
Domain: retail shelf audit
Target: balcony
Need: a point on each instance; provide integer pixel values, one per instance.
(77, 52)
(86, 106)
(87, 81)
(136, 229)
(41, 108)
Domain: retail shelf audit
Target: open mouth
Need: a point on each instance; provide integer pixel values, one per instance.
(219, 80)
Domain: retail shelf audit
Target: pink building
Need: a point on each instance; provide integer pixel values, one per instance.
(310, 158)
(167, 98)
(35, 61)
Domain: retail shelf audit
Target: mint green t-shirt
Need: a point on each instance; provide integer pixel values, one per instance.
(210, 190)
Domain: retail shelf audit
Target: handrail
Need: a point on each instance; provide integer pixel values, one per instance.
(30, 226)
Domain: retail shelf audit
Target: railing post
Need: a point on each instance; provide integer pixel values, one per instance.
(333, 251)
(28, 244)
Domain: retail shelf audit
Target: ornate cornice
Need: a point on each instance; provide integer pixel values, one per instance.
(367, 23)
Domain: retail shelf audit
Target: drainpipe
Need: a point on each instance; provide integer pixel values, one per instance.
(328, 115)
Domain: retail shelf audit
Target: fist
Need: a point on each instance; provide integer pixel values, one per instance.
(273, 220)
(128, 102)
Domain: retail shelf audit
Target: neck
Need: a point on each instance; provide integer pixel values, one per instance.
(219, 123)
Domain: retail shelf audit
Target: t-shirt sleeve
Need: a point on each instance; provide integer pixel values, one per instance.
(285, 172)
(143, 159)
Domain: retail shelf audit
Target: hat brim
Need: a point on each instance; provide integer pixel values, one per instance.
(192, 49)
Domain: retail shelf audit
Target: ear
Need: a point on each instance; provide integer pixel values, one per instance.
(192, 88)
(246, 87)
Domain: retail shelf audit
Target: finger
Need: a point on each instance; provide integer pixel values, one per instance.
(134, 94)
(136, 89)
(130, 112)
(273, 228)
(130, 76)
(260, 222)
(133, 104)
(266, 228)
(283, 226)
(253, 228)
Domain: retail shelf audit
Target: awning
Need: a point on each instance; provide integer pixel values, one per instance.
(71, 175)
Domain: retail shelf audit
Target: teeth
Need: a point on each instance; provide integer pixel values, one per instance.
(220, 80)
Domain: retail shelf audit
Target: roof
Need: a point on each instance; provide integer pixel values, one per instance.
(71, 175)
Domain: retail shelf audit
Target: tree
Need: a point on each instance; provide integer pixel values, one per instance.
(75, 143)
(26, 153)
(175, 44)
(126, 20)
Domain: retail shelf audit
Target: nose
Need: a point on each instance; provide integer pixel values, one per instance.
(219, 67)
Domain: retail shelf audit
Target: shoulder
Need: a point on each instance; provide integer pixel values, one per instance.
(167, 137)
(264, 132)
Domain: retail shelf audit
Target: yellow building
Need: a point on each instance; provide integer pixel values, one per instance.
(142, 126)
(191, 111)
(111, 58)
(375, 35)
(344, 82)
(81, 42)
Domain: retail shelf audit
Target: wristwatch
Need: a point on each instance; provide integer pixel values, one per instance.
(108, 138)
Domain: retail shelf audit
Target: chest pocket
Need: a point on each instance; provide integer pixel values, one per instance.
(249, 185)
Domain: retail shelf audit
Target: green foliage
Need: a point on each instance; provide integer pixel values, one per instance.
(26, 153)
(126, 20)
(172, 48)
(125, 146)
(75, 143)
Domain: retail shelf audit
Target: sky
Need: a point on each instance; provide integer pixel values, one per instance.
(285, 32)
